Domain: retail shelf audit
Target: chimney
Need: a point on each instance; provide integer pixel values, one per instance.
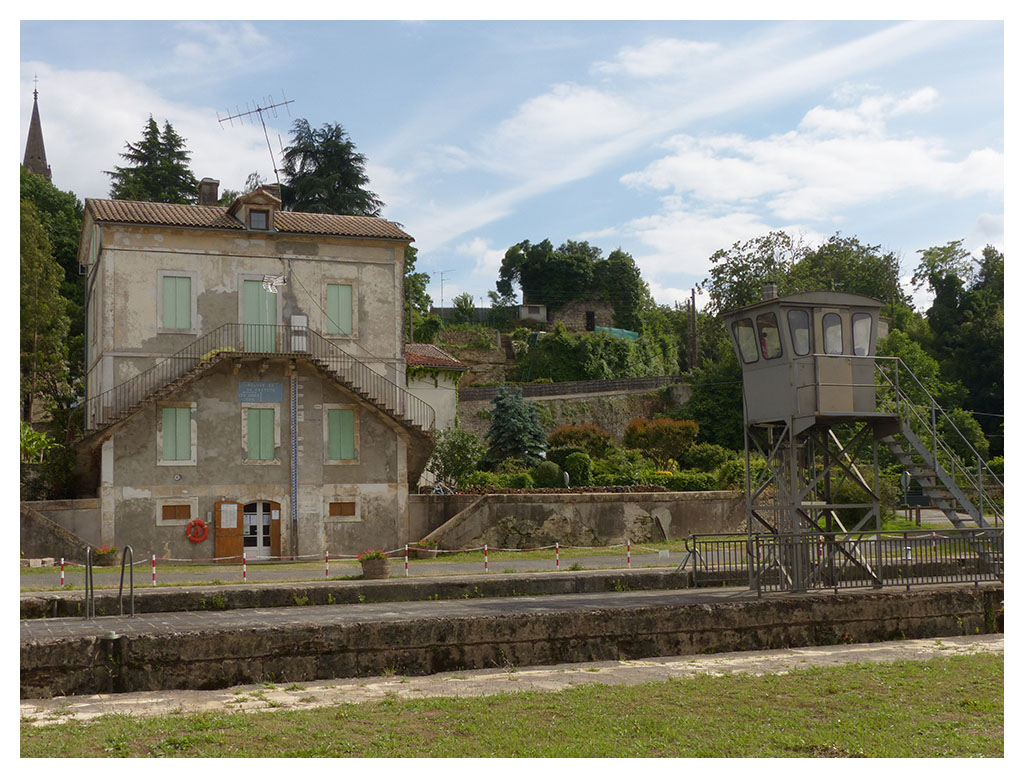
(274, 189)
(208, 191)
(769, 291)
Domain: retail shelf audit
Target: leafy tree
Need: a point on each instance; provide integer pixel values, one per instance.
(738, 275)
(325, 174)
(416, 297)
(716, 402)
(596, 441)
(503, 309)
(455, 456)
(618, 280)
(515, 429)
(60, 214)
(44, 321)
(463, 310)
(158, 169)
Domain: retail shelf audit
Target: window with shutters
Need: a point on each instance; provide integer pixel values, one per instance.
(261, 433)
(176, 434)
(341, 434)
(339, 310)
(176, 301)
(176, 511)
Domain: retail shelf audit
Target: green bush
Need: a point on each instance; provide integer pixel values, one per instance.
(623, 467)
(515, 481)
(482, 478)
(548, 475)
(455, 456)
(731, 474)
(561, 454)
(996, 465)
(580, 469)
(691, 481)
(661, 439)
(705, 456)
(512, 465)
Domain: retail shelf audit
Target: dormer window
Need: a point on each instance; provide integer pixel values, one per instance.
(259, 220)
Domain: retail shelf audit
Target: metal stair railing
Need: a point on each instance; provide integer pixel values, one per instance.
(257, 340)
(922, 420)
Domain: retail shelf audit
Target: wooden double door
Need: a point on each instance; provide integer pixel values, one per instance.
(253, 528)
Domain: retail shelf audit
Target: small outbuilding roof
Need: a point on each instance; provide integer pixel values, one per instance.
(429, 355)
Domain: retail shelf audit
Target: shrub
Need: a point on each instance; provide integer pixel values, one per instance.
(455, 456)
(705, 456)
(623, 467)
(661, 439)
(548, 475)
(596, 441)
(512, 465)
(482, 478)
(731, 473)
(580, 469)
(691, 481)
(996, 465)
(561, 454)
(522, 480)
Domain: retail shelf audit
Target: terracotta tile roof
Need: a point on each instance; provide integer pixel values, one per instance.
(216, 217)
(431, 356)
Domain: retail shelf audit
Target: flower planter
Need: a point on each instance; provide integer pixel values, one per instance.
(375, 568)
(416, 552)
(108, 559)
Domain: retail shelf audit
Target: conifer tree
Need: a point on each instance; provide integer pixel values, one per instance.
(158, 169)
(515, 429)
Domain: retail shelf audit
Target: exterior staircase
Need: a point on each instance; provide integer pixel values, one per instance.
(258, 341)
(936, 454)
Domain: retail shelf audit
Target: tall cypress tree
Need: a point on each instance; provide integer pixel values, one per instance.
(158, 169)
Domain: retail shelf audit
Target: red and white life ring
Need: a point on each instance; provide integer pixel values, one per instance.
(197, 530)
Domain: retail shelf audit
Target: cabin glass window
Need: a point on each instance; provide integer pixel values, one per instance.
(832, 329)
(800, 332)
(861, 334)
(743, 331)
(768, 336)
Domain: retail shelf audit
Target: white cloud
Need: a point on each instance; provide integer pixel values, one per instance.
(659, 57)
(216, 50)
(486, 260)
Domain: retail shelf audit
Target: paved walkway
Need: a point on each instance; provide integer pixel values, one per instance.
(46, 630)
(472, 683)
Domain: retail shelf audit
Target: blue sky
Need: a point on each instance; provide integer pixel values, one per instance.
(667, 139)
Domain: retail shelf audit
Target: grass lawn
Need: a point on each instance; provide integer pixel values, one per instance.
(948, 707)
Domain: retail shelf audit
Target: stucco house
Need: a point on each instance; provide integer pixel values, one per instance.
(246, 379)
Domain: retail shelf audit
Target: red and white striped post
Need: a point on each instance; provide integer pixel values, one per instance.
(243, 565)
(556, 555)
(629, 555)
(62, 571)
(153, 561)
(933, 541)
(485, 557)
(407, 559)
(327, 564)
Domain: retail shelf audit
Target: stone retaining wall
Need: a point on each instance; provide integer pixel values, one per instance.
(218, 658)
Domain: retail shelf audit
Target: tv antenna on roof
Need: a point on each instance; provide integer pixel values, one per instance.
(268, 106)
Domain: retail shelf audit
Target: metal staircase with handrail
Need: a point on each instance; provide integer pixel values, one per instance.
(955, 486)
(257, 341)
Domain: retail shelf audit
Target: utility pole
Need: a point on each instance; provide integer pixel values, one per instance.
(693, 328)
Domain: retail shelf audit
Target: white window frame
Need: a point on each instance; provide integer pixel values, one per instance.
(276, 408)
(355, 433)
(192, 502)
(193, 434)
(193, 309)
(355, 308)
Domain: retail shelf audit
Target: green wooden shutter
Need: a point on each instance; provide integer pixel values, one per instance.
(177, 302)
(341, 433)
(176, 434)
(339, 309)
(260, 429)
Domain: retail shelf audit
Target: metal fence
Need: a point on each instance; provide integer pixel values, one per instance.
(818, 561)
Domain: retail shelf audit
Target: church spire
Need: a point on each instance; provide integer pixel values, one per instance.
(35, 152)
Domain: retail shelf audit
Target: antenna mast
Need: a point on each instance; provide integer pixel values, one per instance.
(268, 106)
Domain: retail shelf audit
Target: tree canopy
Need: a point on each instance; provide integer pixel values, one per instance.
(325, 174)
(158, 169)
(575, 271)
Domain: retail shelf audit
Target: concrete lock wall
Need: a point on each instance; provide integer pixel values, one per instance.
(524, 520)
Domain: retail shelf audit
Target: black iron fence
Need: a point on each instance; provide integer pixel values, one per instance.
(818, 561)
